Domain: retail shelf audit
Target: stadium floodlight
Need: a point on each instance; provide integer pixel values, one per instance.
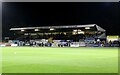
(36, 29)
(87, 27)
(22, 30)
(75, 30)
(52, 29)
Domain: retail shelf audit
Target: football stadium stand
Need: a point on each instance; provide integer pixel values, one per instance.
(90, 35)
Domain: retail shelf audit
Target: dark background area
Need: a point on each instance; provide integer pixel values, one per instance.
(29, 14)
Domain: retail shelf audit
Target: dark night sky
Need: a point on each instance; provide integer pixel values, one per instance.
(28, 14)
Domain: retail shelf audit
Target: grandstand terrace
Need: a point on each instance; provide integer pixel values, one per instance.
(60, 32)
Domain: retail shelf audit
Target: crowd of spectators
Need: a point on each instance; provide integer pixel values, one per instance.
(90, 40)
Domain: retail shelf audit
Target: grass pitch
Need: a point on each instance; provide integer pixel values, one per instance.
(59, 60)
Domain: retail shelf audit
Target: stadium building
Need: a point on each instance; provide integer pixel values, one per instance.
(90, 33)
(66, 32)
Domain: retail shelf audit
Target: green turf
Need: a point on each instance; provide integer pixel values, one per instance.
(0, 61)
(59, 60)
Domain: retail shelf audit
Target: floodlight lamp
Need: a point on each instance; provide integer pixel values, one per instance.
(75, 30)
(87, 27)
(22, 30)
(51, 28)
(36, 29)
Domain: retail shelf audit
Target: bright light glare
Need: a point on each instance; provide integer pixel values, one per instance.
(22, 30)
(36, 29)
(75, 30)
(87, 27)
(51, 29)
